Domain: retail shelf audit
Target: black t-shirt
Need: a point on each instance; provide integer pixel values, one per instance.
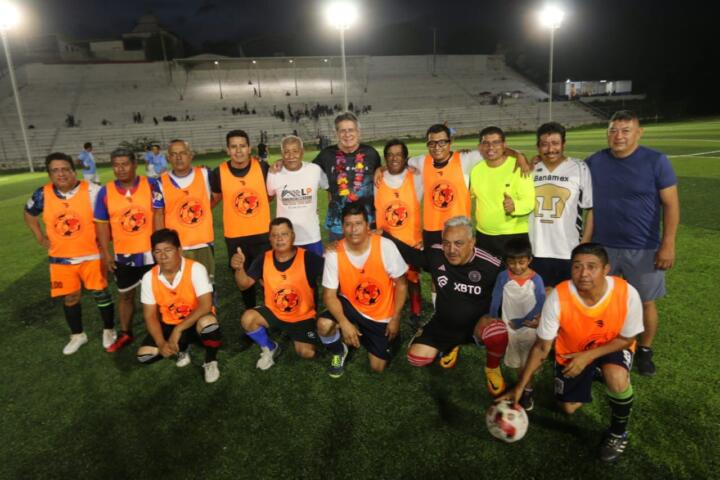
(463, 291)
(328, 159)
(215, 184)
(314, 265)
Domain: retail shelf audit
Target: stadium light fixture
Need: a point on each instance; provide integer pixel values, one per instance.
(10, 17)
(341, 15)
(217, 71)
(551, 16)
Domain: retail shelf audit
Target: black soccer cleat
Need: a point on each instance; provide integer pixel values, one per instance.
(613, 447)
(644, 361)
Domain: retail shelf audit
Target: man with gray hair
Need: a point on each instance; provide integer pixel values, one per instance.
(464, 276)
(296, 188)
(127, 211)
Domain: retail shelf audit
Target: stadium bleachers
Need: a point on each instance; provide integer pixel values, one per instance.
(404, 95)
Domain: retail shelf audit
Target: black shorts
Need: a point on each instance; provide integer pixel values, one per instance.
(431, 237)
(188, 336)
(552, 270)
(127, 278)
(304, 331)
(495, 244)
(439, 336)
(579, 389)
(373, 333)
(252, 247)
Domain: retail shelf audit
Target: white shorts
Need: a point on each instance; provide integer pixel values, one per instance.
(519, 344)
(92, 177)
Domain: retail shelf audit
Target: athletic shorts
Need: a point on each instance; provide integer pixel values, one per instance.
(495, 244)
(304, 331)
(638, 268)
(204, 256)
(579, 389)
(520, 342)
(250, 248)
(373, 333)
(552, 270)
(188, 336)
(67, 279)
(127, 277)
(316, 248)
(439, 336)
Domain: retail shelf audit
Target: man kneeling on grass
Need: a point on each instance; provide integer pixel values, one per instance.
(289, 275)
(177, 305)
(593, 320)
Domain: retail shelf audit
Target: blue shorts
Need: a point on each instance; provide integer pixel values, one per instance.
(316, 248)
(552, 270)
(373, 333)
(638, 268)
(579, 389)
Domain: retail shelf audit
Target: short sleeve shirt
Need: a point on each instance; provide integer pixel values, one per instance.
(200, 280)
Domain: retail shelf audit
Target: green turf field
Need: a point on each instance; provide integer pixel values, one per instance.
(96, 415)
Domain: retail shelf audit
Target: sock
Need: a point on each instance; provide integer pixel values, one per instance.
(333, 343)
(148, 358)
(620, 406)
(495, 338)
(434, 298)
(261, 337)
(249, 298)
(73, 317)
(210, 338)
(415, 300)
(418, 361)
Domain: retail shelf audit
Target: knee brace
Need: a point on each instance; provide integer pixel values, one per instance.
(210, 335)
(103, 298)
(418, 361)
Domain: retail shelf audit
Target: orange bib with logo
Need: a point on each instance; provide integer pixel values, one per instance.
(369, 289)
(245, 202)
(131, 218)
(175, 304)
(287, 294)
(69, 223)
(187, 210)
(445, 193)
(583, 328)
(398, 210)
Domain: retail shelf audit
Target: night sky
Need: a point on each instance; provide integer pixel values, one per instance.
(668, 48)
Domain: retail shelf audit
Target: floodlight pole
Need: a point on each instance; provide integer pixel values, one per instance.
(550, 80)
(16, 95)
(257, 72)
(295, 76)
(217, 71)
(344, 68)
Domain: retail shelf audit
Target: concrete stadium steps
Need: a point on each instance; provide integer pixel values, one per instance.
(404, 94)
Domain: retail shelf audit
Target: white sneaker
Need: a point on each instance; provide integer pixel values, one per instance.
(183, 358)
(267, 357)
(109, 337)
(76, 341)
(212, 373)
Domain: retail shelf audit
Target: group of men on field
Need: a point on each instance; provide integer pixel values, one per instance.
(583, 221)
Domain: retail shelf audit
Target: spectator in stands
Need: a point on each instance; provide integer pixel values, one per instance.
(155, 120)
(156, 162)
(88, 164)
(262, 152)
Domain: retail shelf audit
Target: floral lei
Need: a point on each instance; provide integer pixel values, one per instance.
(343, 183)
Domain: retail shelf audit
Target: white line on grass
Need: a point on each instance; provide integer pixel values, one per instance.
(698, 154)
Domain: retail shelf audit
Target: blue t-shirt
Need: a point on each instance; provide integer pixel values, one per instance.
(88, 162)
(626, 198)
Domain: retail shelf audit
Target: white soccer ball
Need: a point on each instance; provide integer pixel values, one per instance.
(506, 422)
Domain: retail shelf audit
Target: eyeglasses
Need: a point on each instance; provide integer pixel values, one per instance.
(494, 143)
(438, 143)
